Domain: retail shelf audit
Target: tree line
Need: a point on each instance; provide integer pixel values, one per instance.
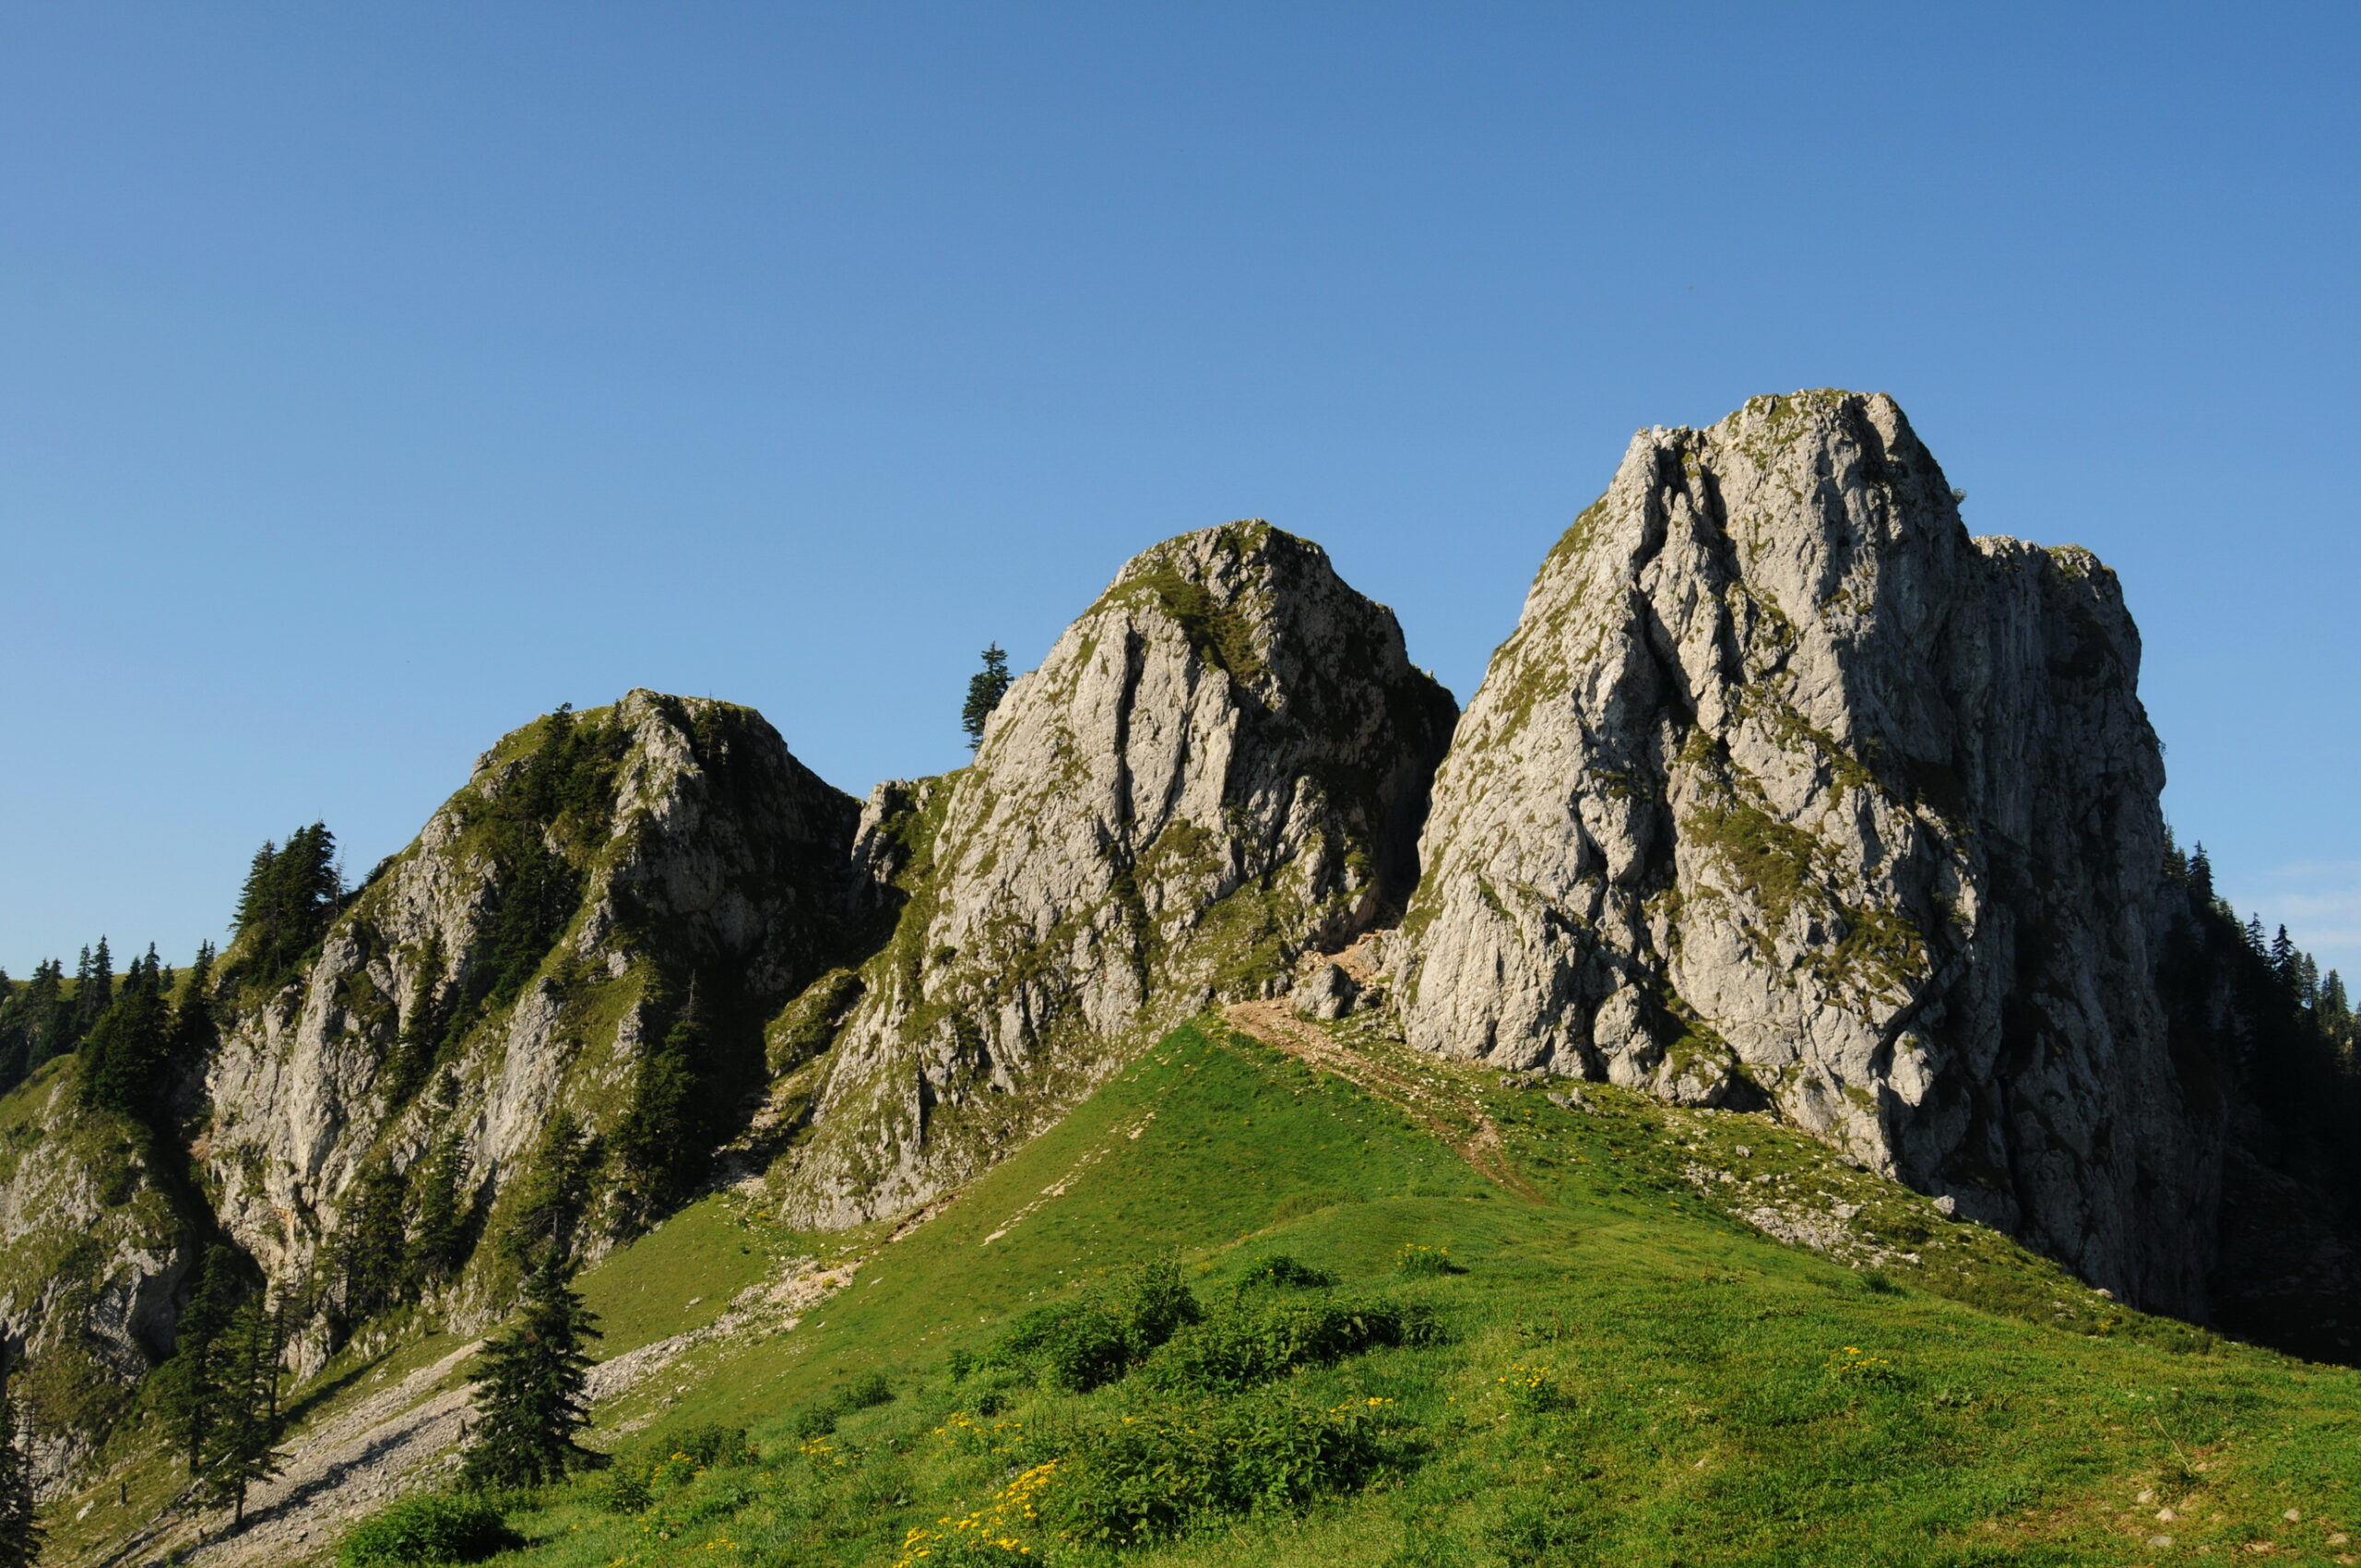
(2277, 1022)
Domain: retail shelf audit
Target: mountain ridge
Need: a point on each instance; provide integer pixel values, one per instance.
(1785, 796)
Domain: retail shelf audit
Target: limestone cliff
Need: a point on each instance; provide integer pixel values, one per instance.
(1787, 793)
(1222, 764)
(515, 961)
(91, 1254)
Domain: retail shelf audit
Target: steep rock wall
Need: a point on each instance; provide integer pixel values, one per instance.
(515, 961)
(1786, 792)
(1222, 762)
(91, 1253)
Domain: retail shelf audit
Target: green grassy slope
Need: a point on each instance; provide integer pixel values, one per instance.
(1625, 1373)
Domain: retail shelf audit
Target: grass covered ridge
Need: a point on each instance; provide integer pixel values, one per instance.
(1610, 1368)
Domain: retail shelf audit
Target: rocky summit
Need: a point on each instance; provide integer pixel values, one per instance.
(1786, 794)
(1221, 765)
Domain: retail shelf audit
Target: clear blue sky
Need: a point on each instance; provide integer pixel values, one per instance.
(373, 377)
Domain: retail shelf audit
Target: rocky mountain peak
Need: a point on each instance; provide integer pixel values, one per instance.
(1222, 762)
(513, 961)
(1789, 794)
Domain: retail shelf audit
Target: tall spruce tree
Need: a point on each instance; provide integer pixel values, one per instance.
(529, 1387)
(439, 1232)
(49, 1015)
(290, 895)
(240, 1447)
(662, 1141)
(188, 1386)
(2336, 1011)
(20, 1531)
(125, 1053)
(552, 1197)
(985, 688)
(95, 994)
(2286, 961)
(372, 1252)
(421, 1039)
(14, 1052)
(195, 1031)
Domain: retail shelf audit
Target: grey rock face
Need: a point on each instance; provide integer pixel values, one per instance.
(91, 1254)
(1787, 793)
(706, 855)
(1223, 763)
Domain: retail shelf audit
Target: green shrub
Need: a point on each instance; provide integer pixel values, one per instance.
(427, 1530)
(627, 1490)
(1075, 1346)
(634, 1483)
(1155, 1473)
(1416, 1262)
(721, 1447)
(865, 1391)
(1281, 1271)
(1253, 1342)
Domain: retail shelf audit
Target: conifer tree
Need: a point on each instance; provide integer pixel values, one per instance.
(194, 1032)
(290, 895)
(240, 1449)
(421, 1039)
(49, 1017)
(123, 1055)
(373, 1252)
(553, 1196)
(2283, 958)
(95, 994)
(20, 1532)
(529, 1387)
(985, 688)
(252, 912)
(188, 1386)
(660, 1145)
(16, 1052)
(439, 1235)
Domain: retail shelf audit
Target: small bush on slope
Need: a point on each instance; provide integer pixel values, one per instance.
(1157, 1474)
(427, 1531)
(1074, 1347)
(1255, 1341)
(864, 1393)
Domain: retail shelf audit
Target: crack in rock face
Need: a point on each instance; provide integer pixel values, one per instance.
(1788, 795)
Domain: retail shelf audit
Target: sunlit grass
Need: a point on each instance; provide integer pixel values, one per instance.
(1627, 1375)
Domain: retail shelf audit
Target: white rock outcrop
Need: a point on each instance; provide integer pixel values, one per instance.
(1222, 764)
(1787, 793)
